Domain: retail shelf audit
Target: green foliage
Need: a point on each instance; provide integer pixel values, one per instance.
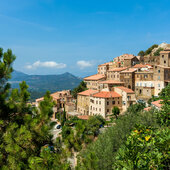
(157, 52)
(149, 50)
(116, 111)
(141, 53)
(107, 145)
(24, 130)
(81, 87)
(136, 108)
(145, 148)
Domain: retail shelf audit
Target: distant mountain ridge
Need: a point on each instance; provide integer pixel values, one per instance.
(42, 83)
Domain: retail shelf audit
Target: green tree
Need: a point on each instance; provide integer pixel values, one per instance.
(149, 50)
(141, 53)
(24, 130)
(157, 52)
(82, 87)
(116, 111)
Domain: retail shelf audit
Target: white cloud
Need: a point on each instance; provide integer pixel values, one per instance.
(47, 64)
(84, 64)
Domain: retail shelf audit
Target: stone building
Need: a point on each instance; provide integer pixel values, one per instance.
(109, 84)
(127, 60)
(83, 101)
(162, 71)
(61, 98)
(103, 68)
(102, 103)
(114, 74)
(128, 96)
(92, 81)
(128, 77)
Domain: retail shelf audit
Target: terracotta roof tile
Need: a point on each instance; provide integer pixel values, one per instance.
(87, 92)
(127, 90)
(118, 69)
(95, 77)
(157, 103)
(130, 70)
(165, 52)
(147, 108)
(104, 94)
(105, 64)
(84, 117)
(139, 66)
(111, 82)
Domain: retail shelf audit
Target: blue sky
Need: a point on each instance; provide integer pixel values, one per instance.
(57, 36)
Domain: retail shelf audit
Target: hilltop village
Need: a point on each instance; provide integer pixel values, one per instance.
(124, 81)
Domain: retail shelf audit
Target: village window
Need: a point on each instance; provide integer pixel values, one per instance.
(158, 71)
(145, 76)
(113, 102)
(99, 102)
(107, 110)
(165, 61)
(118, 102)
(159, 85)
(100, 109)
(107, 103)
(96, 102)
(158, 77)
(162, 56)
(140, 91)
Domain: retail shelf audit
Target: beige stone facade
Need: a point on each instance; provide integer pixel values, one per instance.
(126, 60)
(114, 74)
(103, 102)
(128, 97)
(61, 98)
(83, 101)
(92, 82)
(128, 77)
(103, 68)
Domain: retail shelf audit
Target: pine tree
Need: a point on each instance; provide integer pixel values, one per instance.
(24, 130)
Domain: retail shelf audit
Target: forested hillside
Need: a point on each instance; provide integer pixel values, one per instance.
(39, 84)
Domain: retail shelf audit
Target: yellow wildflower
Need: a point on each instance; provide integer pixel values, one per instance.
(136, 131)
(147, 138)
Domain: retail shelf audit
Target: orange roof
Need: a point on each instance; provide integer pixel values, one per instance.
(165, 52)
(147, 108)
(111, 82)
(130, 70)
(55, 95)
(105, 64)
(157, 103)
(84, 117)
(105, 94)
(88, 92)
(127, 90)
(95, 77)
(40, 99)
(139, 66)
(118, 69)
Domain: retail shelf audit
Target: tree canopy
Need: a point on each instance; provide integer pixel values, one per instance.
(24, 130)
(81, 87)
